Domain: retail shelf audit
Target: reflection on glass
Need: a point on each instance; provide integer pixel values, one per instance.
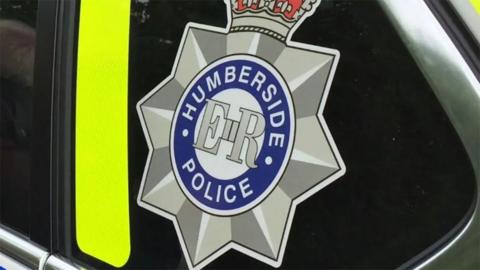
(17, 54)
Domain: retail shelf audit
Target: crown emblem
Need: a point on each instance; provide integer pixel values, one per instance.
(272, 17)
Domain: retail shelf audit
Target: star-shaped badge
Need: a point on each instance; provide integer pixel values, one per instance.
(236, 134)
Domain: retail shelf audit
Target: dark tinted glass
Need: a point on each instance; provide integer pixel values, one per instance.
(17, 53)
(408, 180)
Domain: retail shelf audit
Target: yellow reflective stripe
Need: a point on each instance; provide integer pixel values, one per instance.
(101, 153)
(476, 5)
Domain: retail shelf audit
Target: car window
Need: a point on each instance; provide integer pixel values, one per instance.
(79, 155)
(17, 57)
(408, 182)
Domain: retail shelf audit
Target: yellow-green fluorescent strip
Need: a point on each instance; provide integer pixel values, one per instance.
(476, 5)
(101, 142)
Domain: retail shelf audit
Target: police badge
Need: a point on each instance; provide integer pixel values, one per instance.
(236, 133)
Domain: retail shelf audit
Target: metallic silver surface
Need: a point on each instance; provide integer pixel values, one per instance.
(22, 249)
(469, 15)
(458, 91)
(9, 263)
(56, 263)
(29, 254)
